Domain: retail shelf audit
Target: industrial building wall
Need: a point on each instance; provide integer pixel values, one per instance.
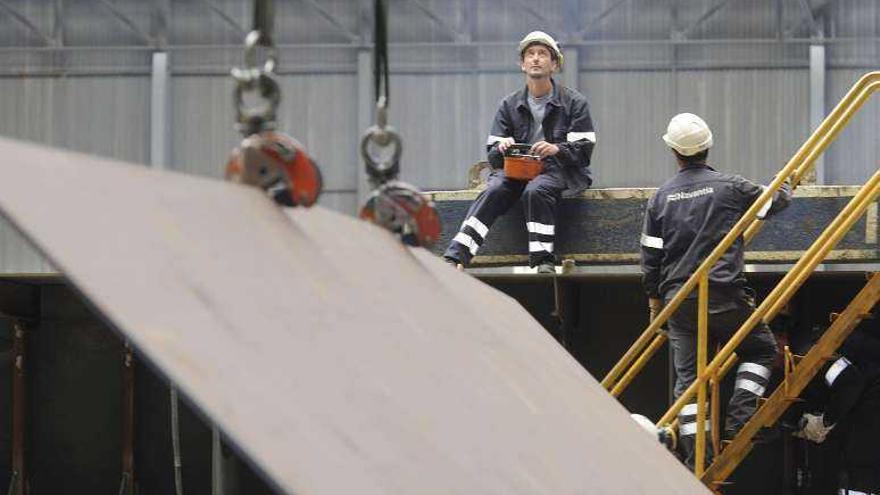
(319, 110)
(759, 117)
(855, 155)
(79, 78)
(107, 116)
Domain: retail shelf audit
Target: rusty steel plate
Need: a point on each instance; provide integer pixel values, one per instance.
(334, 358)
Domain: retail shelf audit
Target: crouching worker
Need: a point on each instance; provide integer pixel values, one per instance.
(844, 401)
(685, 220)
(555, 121)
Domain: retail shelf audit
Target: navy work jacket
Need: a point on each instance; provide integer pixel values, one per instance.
(687, 217)
(567, 124)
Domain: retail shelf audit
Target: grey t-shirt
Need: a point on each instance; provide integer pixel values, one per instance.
(538, 107)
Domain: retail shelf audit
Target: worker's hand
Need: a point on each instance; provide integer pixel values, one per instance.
(505, 143)
(655, 306)
(813, 428)
(544, 149)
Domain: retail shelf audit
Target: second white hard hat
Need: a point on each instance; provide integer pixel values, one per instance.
(688, 134)
(544, 39)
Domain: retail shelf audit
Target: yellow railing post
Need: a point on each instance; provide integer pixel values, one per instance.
(715, 408)
(702, 351)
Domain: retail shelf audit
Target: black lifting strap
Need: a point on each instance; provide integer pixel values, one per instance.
(380, 53)
(263, 16)
(381, 135)
(394, 205)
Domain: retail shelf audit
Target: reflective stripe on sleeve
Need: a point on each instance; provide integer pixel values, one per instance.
(835, 370)
(652, 242)
(577, 136)
(764, 209)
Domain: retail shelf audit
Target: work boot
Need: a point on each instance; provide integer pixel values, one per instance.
(547, 267)
(453, 263)
(668, 438)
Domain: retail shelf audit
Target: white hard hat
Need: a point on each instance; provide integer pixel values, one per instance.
(688, 134)
(544, 39)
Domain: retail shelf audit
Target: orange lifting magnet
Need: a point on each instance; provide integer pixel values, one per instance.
(278, 164)
(520, 165)
(267, 159)
(404, 210)
(393, 204)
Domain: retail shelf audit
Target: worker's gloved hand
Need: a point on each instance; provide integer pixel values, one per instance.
(655, 305)
(544, 149)
(813, 428)
(505, 143)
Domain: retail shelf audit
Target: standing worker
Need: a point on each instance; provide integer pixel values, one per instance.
(685, 220)
(555, 121)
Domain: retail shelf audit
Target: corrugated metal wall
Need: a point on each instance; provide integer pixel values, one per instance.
(758, 117)
(448, 75)
(855, 155)
(100, 115)
(320, 111)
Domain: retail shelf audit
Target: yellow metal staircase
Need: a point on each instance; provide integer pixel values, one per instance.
(798, 371)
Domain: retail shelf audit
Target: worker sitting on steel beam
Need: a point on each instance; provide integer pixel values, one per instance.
(555, 121)
(685, 220)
